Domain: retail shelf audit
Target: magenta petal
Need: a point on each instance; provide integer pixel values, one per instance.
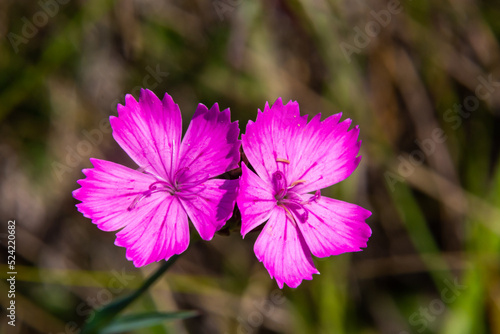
(255, 200)
(283, 251)
(150, 132)
(153, 229)
(209, 205)
(334, 227)
(326, 153)
(319, 153)
(108, 191)
(273, 137)
(210, 146)
(159, 231)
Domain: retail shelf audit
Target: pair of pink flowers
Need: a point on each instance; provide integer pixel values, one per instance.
(177, 179)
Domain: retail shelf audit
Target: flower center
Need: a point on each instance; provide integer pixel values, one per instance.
(187, 190)
(289, 199)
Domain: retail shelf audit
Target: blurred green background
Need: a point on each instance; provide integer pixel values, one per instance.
(421, 79)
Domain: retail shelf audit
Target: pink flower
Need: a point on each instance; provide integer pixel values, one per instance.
(293, 160)
(176, 179)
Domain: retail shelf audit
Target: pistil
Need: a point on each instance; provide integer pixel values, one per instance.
(291, 201)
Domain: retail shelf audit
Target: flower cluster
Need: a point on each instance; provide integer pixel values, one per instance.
(290, 161)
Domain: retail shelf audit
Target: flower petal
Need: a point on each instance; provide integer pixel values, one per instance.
(283, 251)
(160, 230)
(255, 200)
(107, 193)
(150, 132)
(270, 141)
(210, 204)
(319, 153)
(325, 153)
(154, 228)
(334, 227)
(210, 146)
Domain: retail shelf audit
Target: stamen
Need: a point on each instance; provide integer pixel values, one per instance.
(289, 214)
(283, 160)
(288, 206)
(296, 182)
(135, 201)
(153, 188)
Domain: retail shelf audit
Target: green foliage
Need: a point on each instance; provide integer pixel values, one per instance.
(138, 321)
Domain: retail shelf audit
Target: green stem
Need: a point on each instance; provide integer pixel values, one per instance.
(106, 314)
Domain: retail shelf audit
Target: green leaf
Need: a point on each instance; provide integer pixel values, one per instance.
(105, 315)
(136, 321)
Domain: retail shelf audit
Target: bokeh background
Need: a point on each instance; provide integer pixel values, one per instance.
(421, 79)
